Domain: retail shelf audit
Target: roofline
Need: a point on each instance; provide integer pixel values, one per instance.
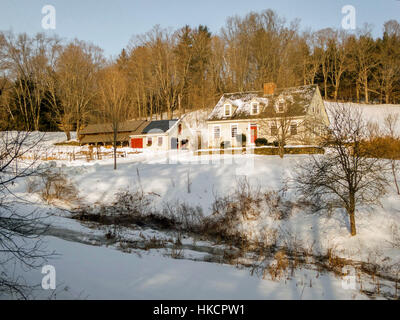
(255, 119)
(258, 91)
(241, 92)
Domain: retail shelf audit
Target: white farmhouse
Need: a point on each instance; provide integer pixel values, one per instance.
(263, 115)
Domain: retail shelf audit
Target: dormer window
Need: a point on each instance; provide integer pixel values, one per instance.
(255, 108)
(280, 108)
(227, 110)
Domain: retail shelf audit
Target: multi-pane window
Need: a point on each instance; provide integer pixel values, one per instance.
(217, 132)
(293, 129)
(227, 110)
(234, 130)
(160, 141)
(149, 141)
(274, 129)
(254, 108)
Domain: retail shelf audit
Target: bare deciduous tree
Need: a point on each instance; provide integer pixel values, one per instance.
(20, 232)
(115, 102)
(75, 79)
(282, 127)
(28, 59)
(347, 175)
(391, 123)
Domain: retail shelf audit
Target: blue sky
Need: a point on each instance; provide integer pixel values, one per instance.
(111, 24)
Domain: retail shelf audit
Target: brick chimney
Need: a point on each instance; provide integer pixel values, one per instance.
(269, 88)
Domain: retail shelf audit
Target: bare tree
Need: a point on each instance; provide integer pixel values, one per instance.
(337, 64)
(20, 232)
(75, 81)
(391, 132)
(27, 59)
(163, 65)
(364, 60)
(323, 37)
(347, 174)
(282, 127)
(114, 96)
(388, 71)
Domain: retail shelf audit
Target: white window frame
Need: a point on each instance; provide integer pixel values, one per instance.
(237, 130)
(150, 139)
(251, 108)
(275, 126)
(160, 139)
(219, 130)
(230, 110)
(278, 109)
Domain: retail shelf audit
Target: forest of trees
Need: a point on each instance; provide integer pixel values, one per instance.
(50, 84)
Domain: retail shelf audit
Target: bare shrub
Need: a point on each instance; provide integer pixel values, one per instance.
(247, 203)
(55, 186)
(268, 238)
(292, 242)
(334, 261)
(176, 250)
(131, 202)
(32, 185)
(278, 266)
(188, 217)
(278, 209)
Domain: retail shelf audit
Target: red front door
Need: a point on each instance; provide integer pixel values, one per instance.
(253, 131)
(137, 143)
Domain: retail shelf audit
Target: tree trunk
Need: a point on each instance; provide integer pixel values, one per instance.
(179, 105)
(395, 176)
(115, 149)
(169, 113)
(68, 134)
(281, 152)
(281, 149)
(78, 125)
(351, 212)
(366, 91)
(358, 92)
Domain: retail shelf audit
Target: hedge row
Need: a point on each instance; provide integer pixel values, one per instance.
(268, 151)
(294, 150)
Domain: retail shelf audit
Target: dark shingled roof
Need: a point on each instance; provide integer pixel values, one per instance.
(133, 126)
(96, 133)
(159, 126)
(104, 138)
(296, 99)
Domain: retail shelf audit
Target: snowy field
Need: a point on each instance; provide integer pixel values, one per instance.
(100, 272)
(92, 272)
(95, 270)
